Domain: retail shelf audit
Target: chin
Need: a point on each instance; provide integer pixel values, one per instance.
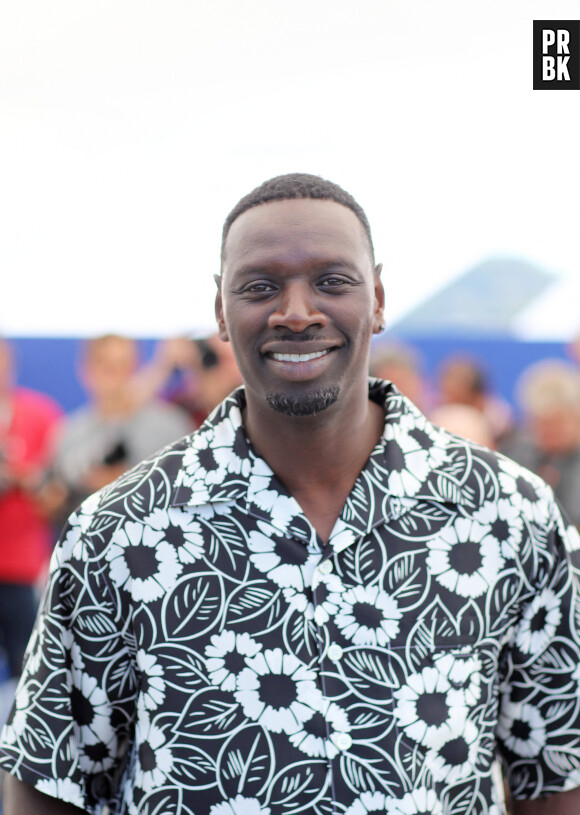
(304, 404)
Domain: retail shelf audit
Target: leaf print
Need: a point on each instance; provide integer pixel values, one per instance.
(194, 607)
(246, 762)
(299, 786)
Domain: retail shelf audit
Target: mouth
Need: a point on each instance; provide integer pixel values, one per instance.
(300, 357)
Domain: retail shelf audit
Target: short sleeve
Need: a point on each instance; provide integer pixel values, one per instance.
(538, 730)
(74, 709)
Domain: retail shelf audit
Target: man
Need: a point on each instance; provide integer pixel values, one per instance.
(115, 430)
(549, 441)
(318, 603)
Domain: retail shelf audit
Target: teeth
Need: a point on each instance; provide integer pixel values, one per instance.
(299, 357)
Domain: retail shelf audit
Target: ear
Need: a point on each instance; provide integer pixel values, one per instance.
(219, 310)
(379, 307)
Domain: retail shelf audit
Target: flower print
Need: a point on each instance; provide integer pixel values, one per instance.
(155, 760)
(282, 509)
(456, 758)
(413, 450)
(227, 656)
(315, 736)
(465, 558)
(278, 691)
(539, 624)
(286, 561)
(97, 755)
(368, 802)
(90, 708)
(142, 562)
(428, 709)
(328, 589)
(367, 615)
(152, 684)
(525, 491)
(522, 728)
(419, 801)
(463, 671)
(64, 789)
(240, 806)
(185, 532)
(505, 524)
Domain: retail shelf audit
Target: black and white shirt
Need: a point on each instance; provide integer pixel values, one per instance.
(201, 652)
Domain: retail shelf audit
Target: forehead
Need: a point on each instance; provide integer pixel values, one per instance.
(295, 228)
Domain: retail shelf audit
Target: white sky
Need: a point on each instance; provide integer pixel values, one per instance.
(129, 128)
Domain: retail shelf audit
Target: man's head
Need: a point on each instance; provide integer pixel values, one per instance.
(292, 186)
(299, 296)
(549, 394)
(108, 364)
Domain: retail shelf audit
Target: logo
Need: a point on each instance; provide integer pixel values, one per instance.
(556, 55)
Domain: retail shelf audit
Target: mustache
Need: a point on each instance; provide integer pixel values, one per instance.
(303, 336)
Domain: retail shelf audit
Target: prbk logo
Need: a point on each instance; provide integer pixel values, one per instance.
(556, 55)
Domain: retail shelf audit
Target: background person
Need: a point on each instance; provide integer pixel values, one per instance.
(113, 431)
(27, 421)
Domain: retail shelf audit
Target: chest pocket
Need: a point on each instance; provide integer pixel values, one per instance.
(446, 684)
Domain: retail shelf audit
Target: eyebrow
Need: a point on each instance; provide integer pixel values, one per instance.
(250, 269)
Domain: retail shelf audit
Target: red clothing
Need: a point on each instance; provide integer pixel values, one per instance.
(25, 536)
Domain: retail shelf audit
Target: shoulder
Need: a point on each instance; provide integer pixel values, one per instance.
(37, 404)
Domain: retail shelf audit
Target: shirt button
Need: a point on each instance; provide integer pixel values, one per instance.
(341, 740)
(334, 652)
(325, 567)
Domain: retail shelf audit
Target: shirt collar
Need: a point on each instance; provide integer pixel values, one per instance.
(411, 463)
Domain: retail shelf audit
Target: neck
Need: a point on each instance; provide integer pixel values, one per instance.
(318, 458)
(115, 406)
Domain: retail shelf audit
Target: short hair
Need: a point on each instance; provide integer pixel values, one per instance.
(292, 186)
(550, 384)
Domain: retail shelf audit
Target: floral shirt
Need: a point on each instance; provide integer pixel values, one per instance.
(200, 651)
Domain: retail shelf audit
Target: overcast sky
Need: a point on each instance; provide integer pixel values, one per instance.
(129, 128)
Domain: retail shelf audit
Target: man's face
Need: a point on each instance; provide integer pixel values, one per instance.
(299, 300)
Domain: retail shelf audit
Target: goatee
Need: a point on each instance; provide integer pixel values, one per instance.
(305, 404)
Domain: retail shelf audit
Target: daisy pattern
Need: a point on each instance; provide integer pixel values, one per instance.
(465, 558)
(368, 802)
(428, 709)
(142, 562)
(522, 728)
(90, 708)
(152, 684)
(505, 524)
(240, 806)
(463, 671)
(278, 691)
(227, 656)
(456, 759)
(96, 755)
(62, 789)
(155, 760)
(420, 801)
(314, 737)
(188, 540)
(286, 561)
(540, 621)
(367, 615)
(328, 588)
(283, 508)
(525, 490)
(407, 462)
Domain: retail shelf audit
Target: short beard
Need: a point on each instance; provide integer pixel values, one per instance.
(307, 404)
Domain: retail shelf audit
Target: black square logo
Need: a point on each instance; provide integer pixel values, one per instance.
(556, 55)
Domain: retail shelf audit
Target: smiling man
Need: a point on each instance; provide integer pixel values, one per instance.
(318, 602)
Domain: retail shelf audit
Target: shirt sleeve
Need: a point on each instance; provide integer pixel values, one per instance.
(538, 730)
(72, 719)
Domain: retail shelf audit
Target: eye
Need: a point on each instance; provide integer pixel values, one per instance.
(258, 287)
(332, 282)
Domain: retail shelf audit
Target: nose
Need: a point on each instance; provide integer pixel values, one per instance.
(296, 309)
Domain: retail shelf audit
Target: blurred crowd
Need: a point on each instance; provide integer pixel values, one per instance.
(50, 461)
